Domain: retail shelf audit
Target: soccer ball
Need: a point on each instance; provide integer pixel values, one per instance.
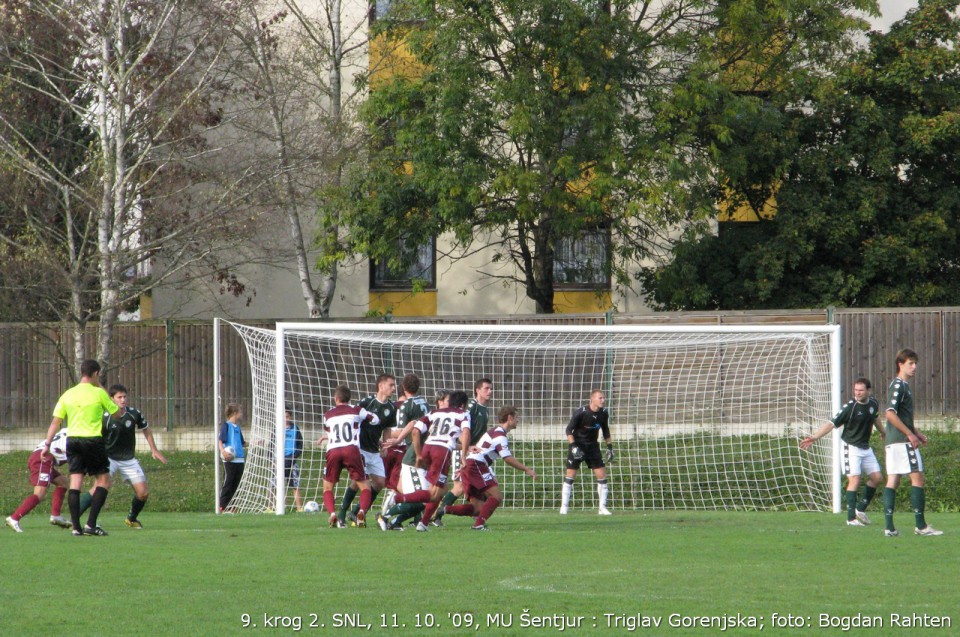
(311, 507)
(228, 450)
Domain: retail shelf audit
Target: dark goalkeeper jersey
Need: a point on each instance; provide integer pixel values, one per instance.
(121, 437)
(857, 421)
(585, 426)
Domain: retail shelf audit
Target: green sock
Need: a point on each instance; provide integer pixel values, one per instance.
(868, 494)
(851, 505)
(348, 497)
(918, 498)
(889, 497)
(408, 510)
(85, 501)
(449, 498)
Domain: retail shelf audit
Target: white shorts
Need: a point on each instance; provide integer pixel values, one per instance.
(413, 479)
(373, 464)
(857, 461)
(131, 470)
(903, 458)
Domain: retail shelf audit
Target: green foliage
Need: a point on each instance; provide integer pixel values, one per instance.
(719, 480)
(185, 483)
(532, 122)
(866, 179)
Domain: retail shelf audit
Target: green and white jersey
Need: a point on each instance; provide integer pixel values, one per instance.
(899, 401)
(121, 437)
(370, 435)
(479, 420)
(412, 409)
(857, 421)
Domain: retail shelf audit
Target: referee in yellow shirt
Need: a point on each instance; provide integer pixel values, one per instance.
(83, 406)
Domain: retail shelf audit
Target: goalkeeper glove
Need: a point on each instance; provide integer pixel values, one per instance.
(609, 453)
(576, 452)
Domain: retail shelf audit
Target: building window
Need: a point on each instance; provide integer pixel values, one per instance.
(379, 8)
(408, 12)
(422, 272)
(583, 262)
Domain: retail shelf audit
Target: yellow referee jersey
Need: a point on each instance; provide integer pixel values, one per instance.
(82, 407)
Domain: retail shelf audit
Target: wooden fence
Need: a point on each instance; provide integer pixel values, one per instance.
(168, 366)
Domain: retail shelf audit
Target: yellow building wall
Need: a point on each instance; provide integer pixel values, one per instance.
(404, 303)
(745, 212)
(146, 307)
(425, 303)
(580, 301)
(389, 58)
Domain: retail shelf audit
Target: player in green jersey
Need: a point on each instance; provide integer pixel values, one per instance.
(903, 447)
(413, 408)
(858, 418)
(121, 439)
(479, 423)
(371, 437)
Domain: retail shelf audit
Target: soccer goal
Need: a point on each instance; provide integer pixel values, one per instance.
(702, 417)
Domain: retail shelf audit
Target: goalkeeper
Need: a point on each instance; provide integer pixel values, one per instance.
(582, 435)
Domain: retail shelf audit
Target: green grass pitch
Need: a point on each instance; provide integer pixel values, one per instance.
(695, 573)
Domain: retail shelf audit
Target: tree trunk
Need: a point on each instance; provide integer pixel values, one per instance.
(539, 267)
(113, 142)
(328, 283)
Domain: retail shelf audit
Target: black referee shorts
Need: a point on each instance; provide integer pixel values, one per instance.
(88, 456)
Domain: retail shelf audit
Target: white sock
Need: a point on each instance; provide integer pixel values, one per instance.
(388, 495)
(602, 491)
(567, 492)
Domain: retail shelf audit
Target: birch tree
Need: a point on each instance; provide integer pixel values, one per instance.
(131, 186)
(297, 100)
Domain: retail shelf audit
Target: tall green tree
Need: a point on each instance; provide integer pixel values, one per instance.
(866, 179)
(534, 122)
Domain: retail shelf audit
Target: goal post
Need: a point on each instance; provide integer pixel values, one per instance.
(702, 417)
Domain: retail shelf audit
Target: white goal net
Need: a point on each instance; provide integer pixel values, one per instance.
(701, 417)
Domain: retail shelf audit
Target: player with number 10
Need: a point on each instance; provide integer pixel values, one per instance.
(342, 433)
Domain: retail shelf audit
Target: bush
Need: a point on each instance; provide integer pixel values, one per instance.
(185, 483)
